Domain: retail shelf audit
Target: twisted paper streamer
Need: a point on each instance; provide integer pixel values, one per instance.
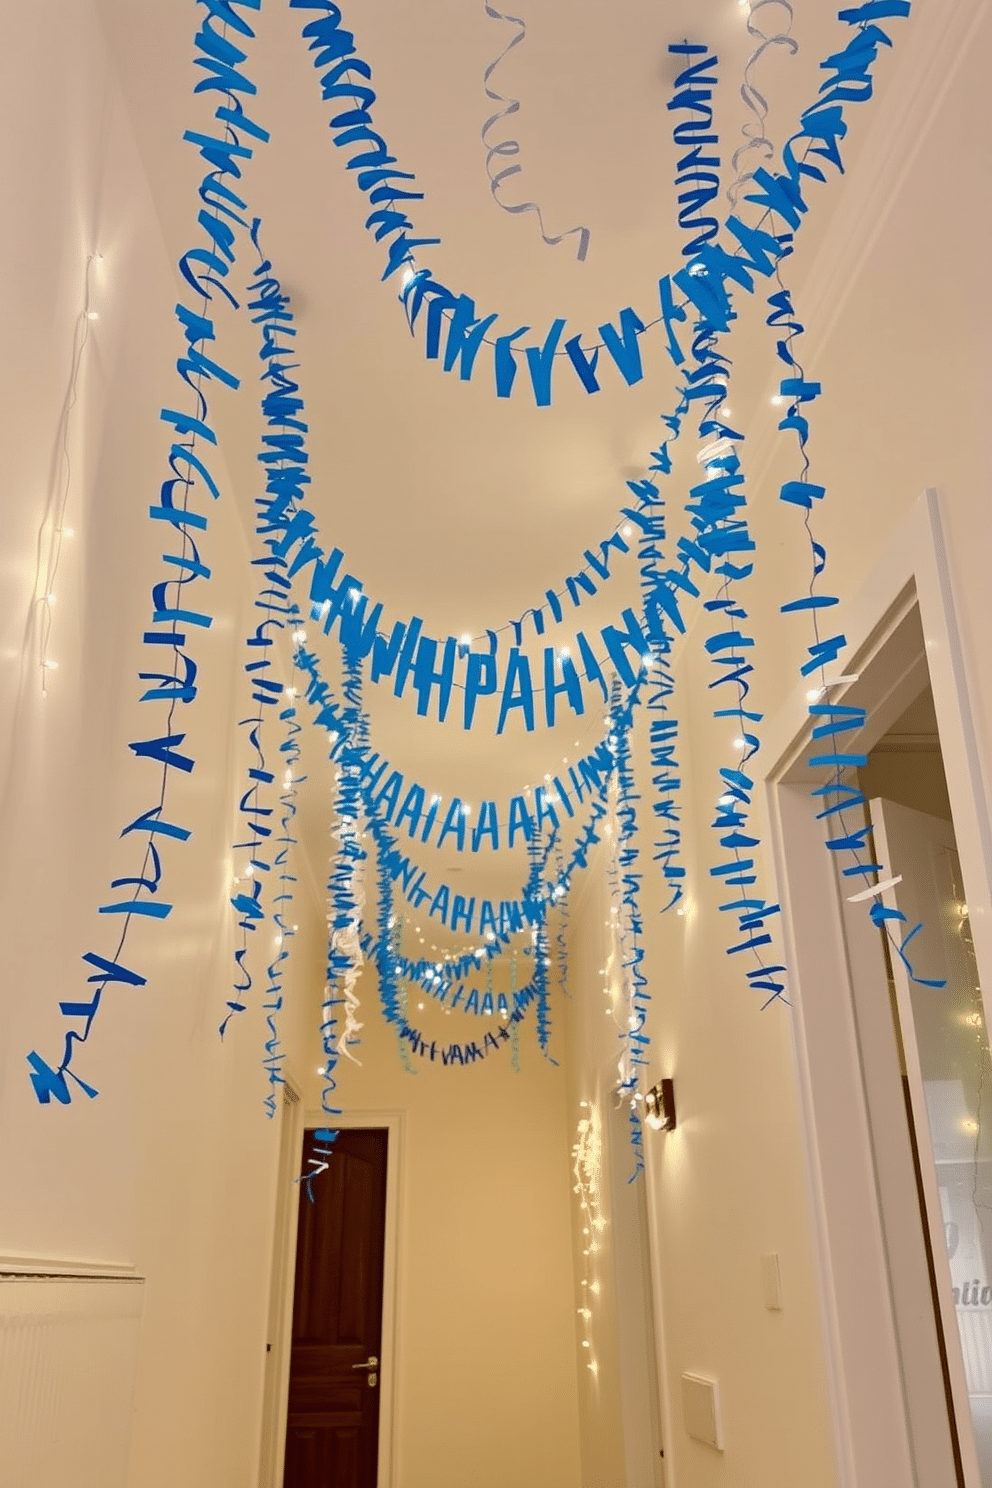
(510, 148)
(205, 267)
(755, 102)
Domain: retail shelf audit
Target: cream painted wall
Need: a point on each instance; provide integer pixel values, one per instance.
(606, 1387)
(897, 310)
(727, 1186)
(172, 1169)
(485, 1346)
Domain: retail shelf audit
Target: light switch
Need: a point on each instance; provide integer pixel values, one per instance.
(771, 1282)
(701, 1410)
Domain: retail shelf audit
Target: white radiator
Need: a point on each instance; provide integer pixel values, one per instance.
(68, 1357)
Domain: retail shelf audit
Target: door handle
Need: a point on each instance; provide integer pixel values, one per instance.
(371, 1363)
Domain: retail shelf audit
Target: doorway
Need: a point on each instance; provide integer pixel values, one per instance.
(333, 1405)
(943, 1049)
(892, 1074)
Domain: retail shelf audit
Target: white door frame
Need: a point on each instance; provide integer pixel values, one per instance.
(280, 1314)
(393, 1123)
(860, 1267)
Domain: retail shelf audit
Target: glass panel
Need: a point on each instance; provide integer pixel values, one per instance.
(952, 1050)
(955, 1063)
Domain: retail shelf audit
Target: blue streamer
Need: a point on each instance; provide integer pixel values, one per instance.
(205, 267)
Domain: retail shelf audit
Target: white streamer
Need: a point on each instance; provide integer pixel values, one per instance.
(755, 102)
(511, 147)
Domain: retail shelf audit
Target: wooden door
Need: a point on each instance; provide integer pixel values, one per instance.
(332, 1428)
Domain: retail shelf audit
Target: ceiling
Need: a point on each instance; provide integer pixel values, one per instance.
(450, 504)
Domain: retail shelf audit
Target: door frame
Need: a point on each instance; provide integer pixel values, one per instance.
(283, 1265)
(392, 1122)
(837, 1048)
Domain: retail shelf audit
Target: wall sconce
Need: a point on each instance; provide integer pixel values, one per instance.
(659, 1106)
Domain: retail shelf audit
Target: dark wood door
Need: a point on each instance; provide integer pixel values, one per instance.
(332, 1427)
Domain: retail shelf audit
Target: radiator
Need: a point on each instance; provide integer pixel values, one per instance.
(68, 1358)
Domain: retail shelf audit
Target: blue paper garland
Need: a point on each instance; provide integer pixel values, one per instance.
(175, 619)
(510, 148)
(274, 1060)
(407, 654)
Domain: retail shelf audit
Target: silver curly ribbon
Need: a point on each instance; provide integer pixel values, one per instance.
(755, 102)
(507, 149)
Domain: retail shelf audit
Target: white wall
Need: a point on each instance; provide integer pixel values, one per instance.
(897, 309)
(170, 1170)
